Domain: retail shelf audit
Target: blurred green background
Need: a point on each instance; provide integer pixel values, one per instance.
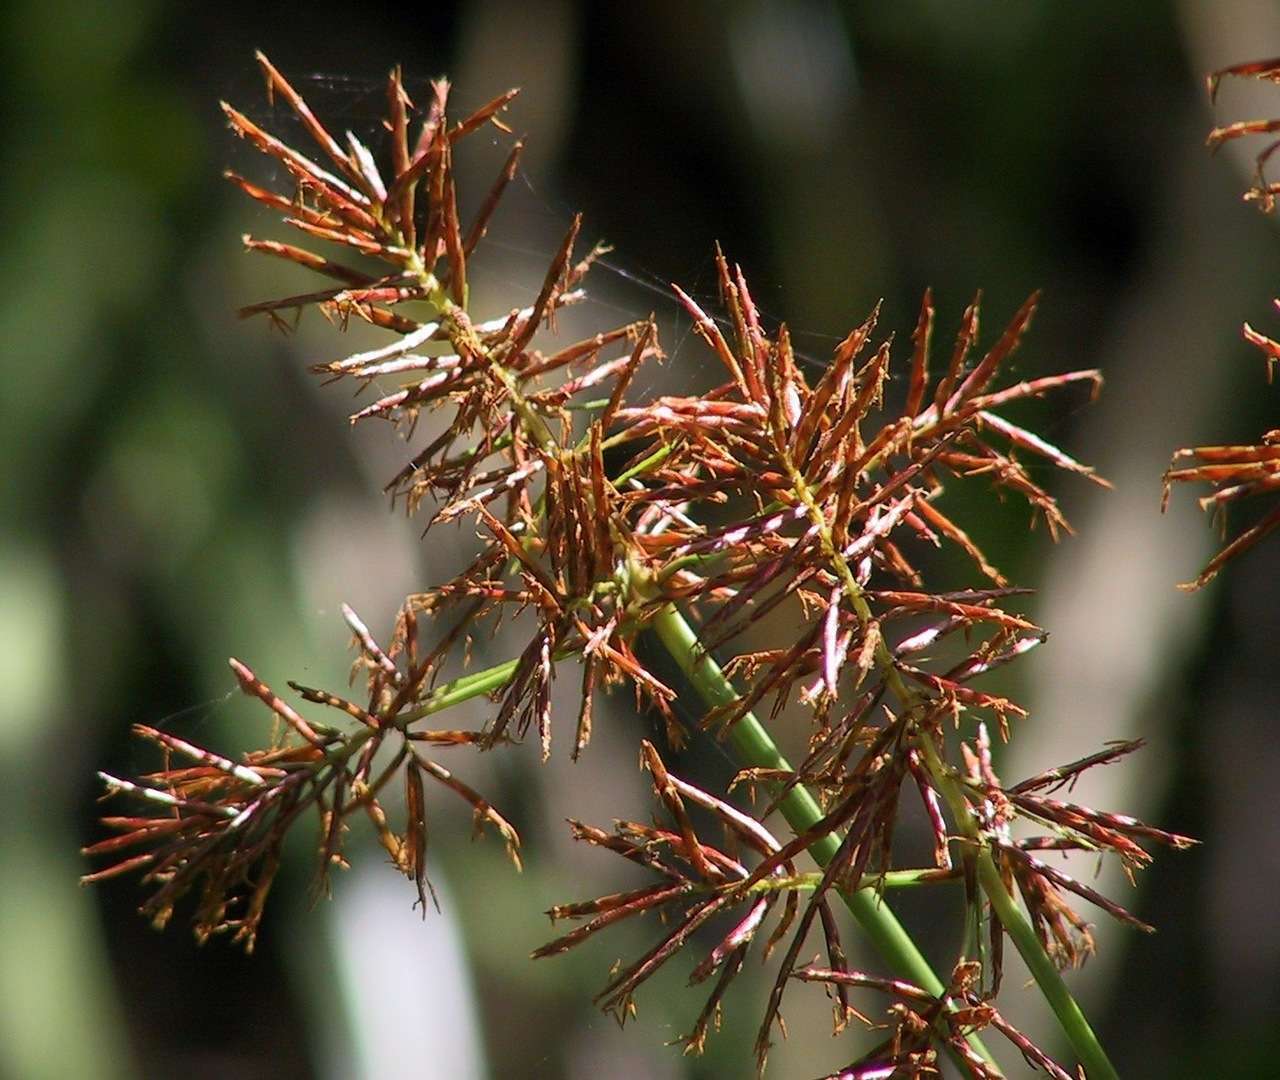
(176, 489)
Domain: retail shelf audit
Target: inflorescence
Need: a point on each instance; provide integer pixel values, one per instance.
(605, 514)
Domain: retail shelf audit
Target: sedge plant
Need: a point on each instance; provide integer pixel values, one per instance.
(606, 516)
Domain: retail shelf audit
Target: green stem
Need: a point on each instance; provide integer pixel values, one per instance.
(890, 879)
(1070, 1016)
(1048, 978)
(754, 747)
(461, 689)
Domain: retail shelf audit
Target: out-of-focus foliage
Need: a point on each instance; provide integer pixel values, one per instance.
(173, 490)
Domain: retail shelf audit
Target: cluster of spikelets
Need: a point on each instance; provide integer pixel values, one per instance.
(755, 874)
(1239, 472)
(599, 510)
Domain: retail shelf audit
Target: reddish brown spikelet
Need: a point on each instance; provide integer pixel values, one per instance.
(1235, 473)
(914, 1016)
(219, 823)
(1263, 192)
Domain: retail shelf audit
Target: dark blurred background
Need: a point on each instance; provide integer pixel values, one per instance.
(176, 489)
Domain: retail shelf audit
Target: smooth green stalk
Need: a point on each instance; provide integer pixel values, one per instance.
(754, 747)
(1070, 1016)
(461, 689)
(1047, 977)
(890, 879)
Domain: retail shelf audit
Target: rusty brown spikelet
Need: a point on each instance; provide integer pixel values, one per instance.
(1240, 472)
